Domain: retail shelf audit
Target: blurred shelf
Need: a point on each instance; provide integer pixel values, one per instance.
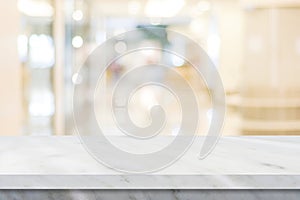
(236, 101)
(263, 125)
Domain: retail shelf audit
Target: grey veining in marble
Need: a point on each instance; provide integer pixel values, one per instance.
(150, 194)
(237, 162)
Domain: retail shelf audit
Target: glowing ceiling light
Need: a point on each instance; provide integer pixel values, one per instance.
(77, 41)
(41, 51)
(35, 8)
(77, 15)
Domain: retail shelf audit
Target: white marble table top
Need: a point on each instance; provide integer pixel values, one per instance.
(236, 162)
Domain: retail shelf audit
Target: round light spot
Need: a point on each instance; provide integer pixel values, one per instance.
(77, 15)
(77, 41)
(177, 61)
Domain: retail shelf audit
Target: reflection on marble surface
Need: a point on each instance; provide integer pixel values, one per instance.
(237, 162)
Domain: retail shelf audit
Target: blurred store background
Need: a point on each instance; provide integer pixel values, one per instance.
(255, 45)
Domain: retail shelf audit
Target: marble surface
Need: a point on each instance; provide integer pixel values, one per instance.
(150, 194)
(237, 162)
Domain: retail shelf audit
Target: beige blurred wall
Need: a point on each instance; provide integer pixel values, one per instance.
(270, 72)
(272, 55)
(10, 76)
(231, 26)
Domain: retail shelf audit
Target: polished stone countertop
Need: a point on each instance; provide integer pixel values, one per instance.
(236, 162)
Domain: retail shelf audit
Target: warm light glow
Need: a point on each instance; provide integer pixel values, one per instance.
(209, 115)
(197, 26)
(77, 41)
(41, 103)
(163, 8)
(213, 46)
(148, 98)
(134, 7)
(35, 8)
(203, 6)
(177, 61)
(77, 15)
(42, 53)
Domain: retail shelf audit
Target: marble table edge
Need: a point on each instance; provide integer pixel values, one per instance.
(150, 181)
